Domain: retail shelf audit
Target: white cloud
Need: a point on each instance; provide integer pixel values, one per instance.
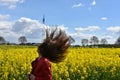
(87, 35)
(32, 29)
(110, 38)
(5, 30)
(89, 6)
(62, 27)
(28, 27)
(81, 35)
(10, 3)
(4, 17)
(93, 3)
(104, 18)
(106, 37)
(5, 25)
(114, 29)
(77, 5)
(89, 28)
(8, 34)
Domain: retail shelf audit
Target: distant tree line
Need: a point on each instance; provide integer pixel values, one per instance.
(21, 39)
(95, 42)
(92, 42)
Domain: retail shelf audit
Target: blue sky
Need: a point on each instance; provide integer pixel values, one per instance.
(80, 18)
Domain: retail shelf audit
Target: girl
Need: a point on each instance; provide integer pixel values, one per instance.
(53, 49)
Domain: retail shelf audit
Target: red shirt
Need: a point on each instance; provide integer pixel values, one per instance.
(41, 69)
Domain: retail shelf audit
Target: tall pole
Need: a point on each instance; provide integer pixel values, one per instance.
(43, 21)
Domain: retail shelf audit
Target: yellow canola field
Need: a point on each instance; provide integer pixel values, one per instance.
(80, 63)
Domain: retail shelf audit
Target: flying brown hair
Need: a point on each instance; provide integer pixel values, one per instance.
(55, 45)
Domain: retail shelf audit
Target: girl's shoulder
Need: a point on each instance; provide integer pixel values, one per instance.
(45, 61)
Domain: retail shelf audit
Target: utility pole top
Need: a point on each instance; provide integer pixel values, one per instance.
(43, 19)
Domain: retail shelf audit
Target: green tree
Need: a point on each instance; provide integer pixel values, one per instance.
(71, 39)
(22, 39)
(117, 41)
(94, 40)
(2, 40)
(84, 42)
(103, 41)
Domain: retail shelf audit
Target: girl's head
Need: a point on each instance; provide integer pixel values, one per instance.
(55, 45)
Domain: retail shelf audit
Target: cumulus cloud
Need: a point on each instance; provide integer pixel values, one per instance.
(77, 5)
(10, 3)
(4, 17)
(5, 27)
(114, 29)
(89, 28)
(4, 24)
(33, 30)
(104, 18)
(28, 27)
